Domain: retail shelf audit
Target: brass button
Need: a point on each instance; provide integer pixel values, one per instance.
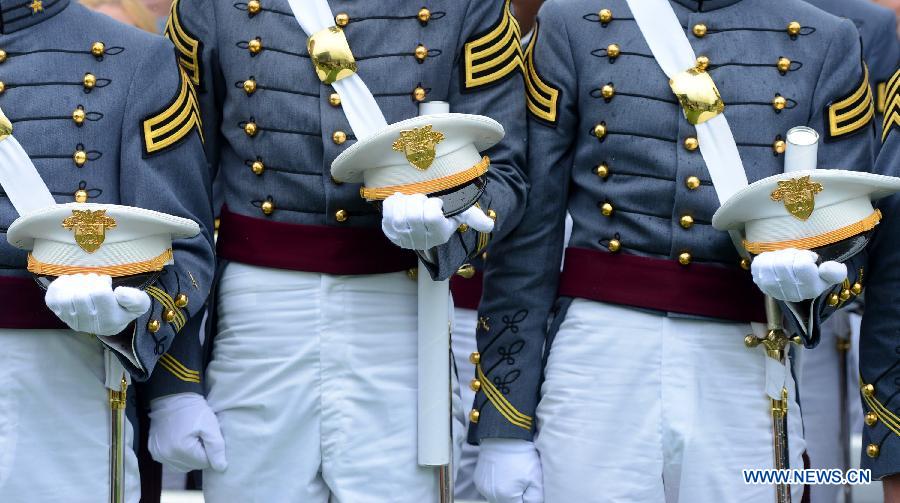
(692, 183)
(342, 19)
(608, 91)
(412, 273)
(484, 256)
(691, 143)
(2, 87)
(600, 131)
(845, 294)
(857, 288)
(339, 137)
(463, 228)
(81, 196)
(2, 56)
(97, 49)
(833, 300)
(249, 86)
(613, 51)
(602, 170)
(614, 245)
(253, 7)
(793, 28)
(686, 221)
(258, 167)
(492, 214)
(872, 450)
(779, 146)
(871, 418)
(181, 300)
(779, 102)
(153, 326)
(474, 415)
(250, 128)
(684, 258)
(78, 116)
(606, 209)
(606, 15)
(702, 63)
(80, 157)
(745, 264)
(419, 94)
(341, 215)
(868, 390)
(475, 358)
(421, 53)
(783, 64)
(89, 81)
(169, 315)
(254, 46)
(475, 385)
(699, 30)
(334, 100)
(267, 207)
(466, 271)
(424, 15)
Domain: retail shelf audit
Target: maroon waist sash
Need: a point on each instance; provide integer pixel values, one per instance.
(466, 292)
(23, 306)
(664, 285)
(309, 248)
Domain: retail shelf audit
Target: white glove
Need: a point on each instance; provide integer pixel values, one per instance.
(792, 275)
(509, 471)
(417, 222)
(185, 434)
(87, 303)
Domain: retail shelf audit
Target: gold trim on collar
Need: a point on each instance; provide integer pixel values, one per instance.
(430, 186)
(825, 239)
(854, 112)
(35, 266)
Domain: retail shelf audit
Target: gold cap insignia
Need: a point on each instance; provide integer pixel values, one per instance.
(799, 196)
(90, 228)
(419, 145)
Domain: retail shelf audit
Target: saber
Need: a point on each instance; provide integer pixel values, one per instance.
(117, 400)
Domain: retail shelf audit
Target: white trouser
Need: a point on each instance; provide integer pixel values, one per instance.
(640, 407)
(820, 380)
(54, 420)
(464, 322)
(313, 379)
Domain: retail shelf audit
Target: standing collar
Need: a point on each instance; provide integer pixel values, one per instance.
(706, 5)
(17, 15)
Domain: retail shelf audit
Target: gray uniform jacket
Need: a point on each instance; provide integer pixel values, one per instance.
(879, 347)
(107, 116)
(274, 129)
(636, 186)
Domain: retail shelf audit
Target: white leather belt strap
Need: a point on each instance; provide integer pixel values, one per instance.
(359, 105)
(674, 54)
(21, 180)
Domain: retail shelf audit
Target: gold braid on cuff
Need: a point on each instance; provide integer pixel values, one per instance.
(429, 186)
(502, 404)
(825, 239)
(890, 420)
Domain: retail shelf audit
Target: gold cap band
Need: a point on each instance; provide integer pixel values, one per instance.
(828, 238)
(430, 186)
(35, 266)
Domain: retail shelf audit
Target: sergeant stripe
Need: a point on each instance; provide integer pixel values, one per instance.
(543, 98)
(176, 121)
(892, 105)
(189, 47)
(854, 112)
(178, 369)
(503, 405)
(496, 54)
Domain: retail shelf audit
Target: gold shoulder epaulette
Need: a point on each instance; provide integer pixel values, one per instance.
(189, 47)
(543, 98)
(891, 105)
(176, 121)
(852, 113)
(495, 55)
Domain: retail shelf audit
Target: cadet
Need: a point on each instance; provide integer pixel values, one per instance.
(649, 392)
(879, 376)
(106, 116)
(313, 363)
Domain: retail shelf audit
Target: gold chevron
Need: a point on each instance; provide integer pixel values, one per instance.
(503, 406)
(177, 369)
(176, 121)
(854, 112)
(880, 97)
(892, 105)
(496, 54)
(543, 98)
(188, 46)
